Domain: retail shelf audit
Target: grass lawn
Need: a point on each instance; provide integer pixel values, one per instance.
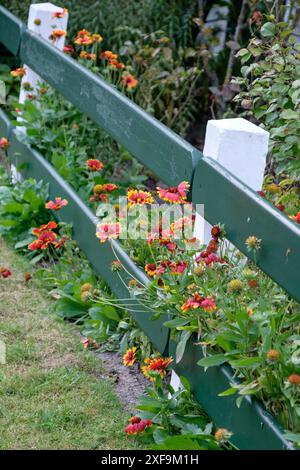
(51, 393)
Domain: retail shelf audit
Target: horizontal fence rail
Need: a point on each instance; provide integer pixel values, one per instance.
(11, 29)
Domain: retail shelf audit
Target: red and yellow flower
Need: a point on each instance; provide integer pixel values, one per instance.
(57, 34)
(129, 357)
(60, 14)
(174, 194)
(106, 231)
(87, 55)
(44, 240)
(156, 367)
(45, 228)
(138, 426)
(150, 269)
(94, 165)
(129, 81)
(4, 143)
(19, 72)
(136, 197)
(296, 218)
(57, 204)
(199, 302)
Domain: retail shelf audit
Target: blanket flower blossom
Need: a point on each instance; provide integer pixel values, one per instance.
(106, 231)
(174, 194)
(57, 204)
(197, 301)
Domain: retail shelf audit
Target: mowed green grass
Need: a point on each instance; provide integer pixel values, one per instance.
(52, 395)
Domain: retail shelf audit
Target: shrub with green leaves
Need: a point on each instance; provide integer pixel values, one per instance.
(271, 94)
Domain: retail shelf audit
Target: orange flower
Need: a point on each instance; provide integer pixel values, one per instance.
(57, 34)
(138, 427)
(129, 357)
(43, 241)
(4, 143)
(27, 277)
(87, 55)
(294, 379)
(176, 195)
(106, 231)
(94, 165)
(197, 301)
(156, 366)
(83, 40)
(60, 14)
(136, 197)
(129, 81)
(58, 204)
(109, 55)
(45, 228)
(296, 218)
(19, 72)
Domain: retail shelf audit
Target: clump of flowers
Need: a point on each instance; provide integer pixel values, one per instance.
(156, 366)
(199, 302)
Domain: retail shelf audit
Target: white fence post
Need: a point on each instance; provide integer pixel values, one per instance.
(241, 147)
(43, 19)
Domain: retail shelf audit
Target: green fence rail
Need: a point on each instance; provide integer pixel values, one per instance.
(226, 200)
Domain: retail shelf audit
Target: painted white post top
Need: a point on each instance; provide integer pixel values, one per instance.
(239, 146)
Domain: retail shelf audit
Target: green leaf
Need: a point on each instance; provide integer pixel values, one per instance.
(268, 30)
(289, 114)
(226, 393)
(247, 362)
(176, 322)
(211, 361)
(185, 335)
(13, 207)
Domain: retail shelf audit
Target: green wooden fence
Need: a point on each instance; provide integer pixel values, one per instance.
(226, 199)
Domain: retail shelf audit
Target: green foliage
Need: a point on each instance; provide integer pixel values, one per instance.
(271, 94)
(22, 206)
(179, 423)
